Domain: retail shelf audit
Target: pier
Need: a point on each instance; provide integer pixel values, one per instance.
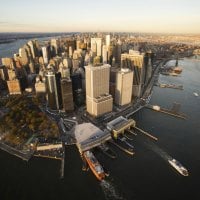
(47, 156)
(62, 167)
(131, 132)
(147, 134)
(172, 86)
(122, 148)
(166, 111)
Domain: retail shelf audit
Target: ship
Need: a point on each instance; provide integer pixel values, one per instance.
(94, 165)
(178, 166)
(178, 70)
(196, 94)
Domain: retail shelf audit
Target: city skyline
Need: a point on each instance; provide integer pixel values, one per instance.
(167, 16)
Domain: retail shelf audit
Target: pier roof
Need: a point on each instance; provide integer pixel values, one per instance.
(89, 136)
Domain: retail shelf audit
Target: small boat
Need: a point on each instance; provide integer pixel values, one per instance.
(178, 166)
(107, 151)
(94, 165)
(196, 94)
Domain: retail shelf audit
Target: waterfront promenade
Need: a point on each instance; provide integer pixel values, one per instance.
(24, 155)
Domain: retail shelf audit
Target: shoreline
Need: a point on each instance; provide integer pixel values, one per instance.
(11, 150)
(134, 108)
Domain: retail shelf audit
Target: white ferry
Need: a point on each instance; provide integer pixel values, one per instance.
(178, 166)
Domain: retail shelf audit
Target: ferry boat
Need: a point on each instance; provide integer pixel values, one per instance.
(178, 70)
(196, 94)
(94, 165)
(178, 166)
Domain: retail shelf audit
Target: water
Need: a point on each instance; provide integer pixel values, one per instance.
(8, 49)
(110, 191)
(146, 175)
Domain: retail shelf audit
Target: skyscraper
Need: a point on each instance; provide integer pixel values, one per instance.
(3, 73)
(104, 54)
(96, 46)
(117, 53)
(32, 47)
(54, 44)
(107, 41)
(40, 88)
(14, 87)
(11, 74)
(8, 62)
(135, 62)
(24, 59)
(67, 95)
(124, 84)
(98, 99)
(51, 89)
(45, 55)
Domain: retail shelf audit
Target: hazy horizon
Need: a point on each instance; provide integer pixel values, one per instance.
(154, 16)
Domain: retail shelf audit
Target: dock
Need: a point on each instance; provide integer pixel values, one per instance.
(122, 148)
(131, 132)
(46, 156)
(62, 167)
(172, 86)
(166, 111)
(147, 134)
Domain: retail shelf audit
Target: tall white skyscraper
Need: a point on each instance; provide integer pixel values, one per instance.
(105, 54)
(45, 55)
(31, 45)
(96, 45)
(98, 99)
(124, 85)
(78, 44)
(70, 51)
(107, 40)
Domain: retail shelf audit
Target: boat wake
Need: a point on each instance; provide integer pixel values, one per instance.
(110, 192)
(158, 150)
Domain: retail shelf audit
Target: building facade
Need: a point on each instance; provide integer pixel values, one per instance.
(98, 99)
(67, 95)
(124, 85)
(51, 89)
(96, 45)
(14, 87)
(135, 62)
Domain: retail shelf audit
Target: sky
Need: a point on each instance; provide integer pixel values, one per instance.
(158, 16)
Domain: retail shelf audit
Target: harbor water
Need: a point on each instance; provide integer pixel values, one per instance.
(146, 175)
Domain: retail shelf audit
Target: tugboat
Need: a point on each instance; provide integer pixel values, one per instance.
(94, 165)
(178, 166)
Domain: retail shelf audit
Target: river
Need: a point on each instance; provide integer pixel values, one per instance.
(146, 175)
